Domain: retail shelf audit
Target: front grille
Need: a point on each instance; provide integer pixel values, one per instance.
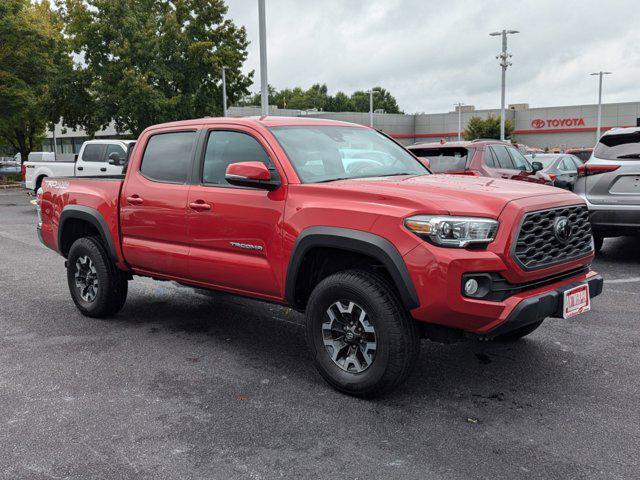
(538, 246)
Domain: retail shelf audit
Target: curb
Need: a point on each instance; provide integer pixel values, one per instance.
(10, 186)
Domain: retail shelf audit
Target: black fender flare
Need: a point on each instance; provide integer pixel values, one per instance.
(92, 216)
(355, 241)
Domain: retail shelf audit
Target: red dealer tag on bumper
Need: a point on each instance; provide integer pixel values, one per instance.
(576, 301)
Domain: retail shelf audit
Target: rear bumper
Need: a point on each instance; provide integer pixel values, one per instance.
(544, 305)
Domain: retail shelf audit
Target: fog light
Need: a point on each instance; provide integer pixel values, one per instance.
(471, 286)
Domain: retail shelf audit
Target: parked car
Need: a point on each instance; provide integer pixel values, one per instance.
(376, 251)
(582, 153)
(96, 158)
(610, 184)
(487, 158)
(561, 168)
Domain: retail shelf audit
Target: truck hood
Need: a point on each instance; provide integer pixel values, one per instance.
(452, 194)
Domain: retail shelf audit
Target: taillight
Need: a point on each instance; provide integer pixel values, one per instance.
(588, 170)
(552, 176)
(473, 173)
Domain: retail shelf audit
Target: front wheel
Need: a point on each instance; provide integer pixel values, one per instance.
(97, 286)
(362, 340)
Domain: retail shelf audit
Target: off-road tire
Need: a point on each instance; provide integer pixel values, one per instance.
(397, 341)
(112, 282)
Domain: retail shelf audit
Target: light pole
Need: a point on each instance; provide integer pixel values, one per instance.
(264, 85)
(371, 92)
(504, 63)
(224, 92)
(599, 125)
(459, 105)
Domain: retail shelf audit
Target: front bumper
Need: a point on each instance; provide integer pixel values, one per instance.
(544, 305)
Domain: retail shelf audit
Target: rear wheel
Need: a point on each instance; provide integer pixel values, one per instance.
(362, 341)
(97, 286)
(519, 333)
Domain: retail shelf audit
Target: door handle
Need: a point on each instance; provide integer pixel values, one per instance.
(103, 169)
(80, 168)
(134, 200)
(199, 206)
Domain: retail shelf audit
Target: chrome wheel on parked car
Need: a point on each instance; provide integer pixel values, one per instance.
(349, 337)
(86, 278)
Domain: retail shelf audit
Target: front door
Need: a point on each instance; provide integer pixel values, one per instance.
(153, 204)
(235, 233)
(92, 160)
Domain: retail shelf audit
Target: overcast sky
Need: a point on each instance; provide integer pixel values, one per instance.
(431, 54)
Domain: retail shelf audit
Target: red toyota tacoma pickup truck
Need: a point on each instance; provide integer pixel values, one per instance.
(332, 219)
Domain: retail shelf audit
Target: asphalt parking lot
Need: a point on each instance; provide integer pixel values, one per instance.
(184, 385)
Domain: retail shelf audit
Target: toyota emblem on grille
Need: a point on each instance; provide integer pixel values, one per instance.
(562, 229)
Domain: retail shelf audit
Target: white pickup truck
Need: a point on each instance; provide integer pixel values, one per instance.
(96, 158)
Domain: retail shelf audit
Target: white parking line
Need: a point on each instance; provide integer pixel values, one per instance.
(624, 280)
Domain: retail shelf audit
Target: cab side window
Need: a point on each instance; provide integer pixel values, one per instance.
(225, 147)
(93, 153)
(167, 157)
(502, 157)
(115, 148)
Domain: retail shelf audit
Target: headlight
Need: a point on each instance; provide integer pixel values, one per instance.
(449, 231)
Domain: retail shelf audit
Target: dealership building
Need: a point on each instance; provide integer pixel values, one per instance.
(548, 127)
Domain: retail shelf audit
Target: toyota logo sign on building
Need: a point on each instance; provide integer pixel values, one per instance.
(537, 123)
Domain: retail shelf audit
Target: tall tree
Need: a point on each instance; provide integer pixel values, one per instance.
(478, 127)
(34, 64)
(152, 61)
(382, 100)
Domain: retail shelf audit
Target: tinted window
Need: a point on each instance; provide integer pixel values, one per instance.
(325, 153)
(502, 157)
(167, 157)
(445, 159)
(93, 153)
(115, 148)
(621, 146)
(224, 148)
(518, 159)
(489, 158)
(583, 155)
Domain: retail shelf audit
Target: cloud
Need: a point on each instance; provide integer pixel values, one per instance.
(431, 54)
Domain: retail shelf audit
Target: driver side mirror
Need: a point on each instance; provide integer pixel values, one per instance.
(536, 166)
(114, 159)
(251, 174)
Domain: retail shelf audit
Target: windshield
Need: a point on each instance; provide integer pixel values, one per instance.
(325, 153)
(619, 146)
(545, 160)
(445, 159)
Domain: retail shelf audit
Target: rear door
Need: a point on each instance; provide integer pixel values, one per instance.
(153, 203)
(91, 160)
(235, 233)
(618, 156)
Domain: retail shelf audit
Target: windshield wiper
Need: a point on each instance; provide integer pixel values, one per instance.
(629, 155)
(334, 179)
